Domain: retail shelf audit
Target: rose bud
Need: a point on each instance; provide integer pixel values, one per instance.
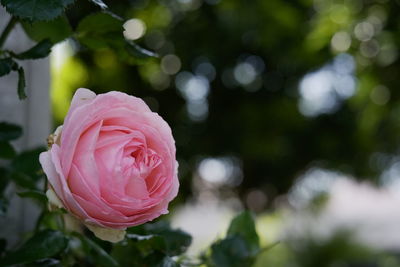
(112, 164)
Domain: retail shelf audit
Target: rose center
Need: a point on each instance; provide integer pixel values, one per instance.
(127, 161)
(139, 161)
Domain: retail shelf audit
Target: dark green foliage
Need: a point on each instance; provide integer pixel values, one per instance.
(21, 83)
(97, 255)
(23, 180)
(340, 249)
(45, 263)
(35, 10)
(104, 30)
(231, 251)
(4, 179)
(35, 195)
(55, 30)
(6, 65)
(159, 260)
(42, 245)
(152, 244)
(3, 244)
(26, 170)
(28, 162)
(243, 226)
(99, 30)
(45, 22)
(6, 150)
(175, 241)
(9, 131)
(40, 50)
(240, 246)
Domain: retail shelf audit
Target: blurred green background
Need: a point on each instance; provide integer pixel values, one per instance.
(259, 93)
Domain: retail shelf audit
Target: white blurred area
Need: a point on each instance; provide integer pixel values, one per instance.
(194, 86)
(208, 215)
(324, 90)
(195, 89)
(60, 53)
(206, 221)
(369, 213)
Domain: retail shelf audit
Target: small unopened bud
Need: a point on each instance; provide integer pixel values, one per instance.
(50, 140)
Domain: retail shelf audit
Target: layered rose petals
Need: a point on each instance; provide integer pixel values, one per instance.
(114, 165)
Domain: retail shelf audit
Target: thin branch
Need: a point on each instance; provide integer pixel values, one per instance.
(7, 30)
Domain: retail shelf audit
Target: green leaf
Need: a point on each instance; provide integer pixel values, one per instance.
(100, 30)
(243, 225)
(21, 83)
(104, 30)
(28, 162)
(6, 150)
(159, 260)
(34, 194)
(176, 240)
(9, 131)
(98, 41)
(42, 245)
(99, 3)
(143, 250)
(241, 244)
(35, 10)
(25, 168)
(128, 253)
(230, 252)
(23, 180)
(40, 50)
(137, 51)
(98, 23)
(98, 254)
(56, 30)
(148, 243)
(6, 66)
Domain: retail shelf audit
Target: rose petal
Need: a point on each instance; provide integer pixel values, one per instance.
(137, 188)
(81, 189)
(84, 157)
(65, 194)
(81, 97)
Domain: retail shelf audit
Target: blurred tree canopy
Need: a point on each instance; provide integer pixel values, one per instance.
(231, 80)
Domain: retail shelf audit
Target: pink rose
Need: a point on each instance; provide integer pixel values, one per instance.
(113, 163)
